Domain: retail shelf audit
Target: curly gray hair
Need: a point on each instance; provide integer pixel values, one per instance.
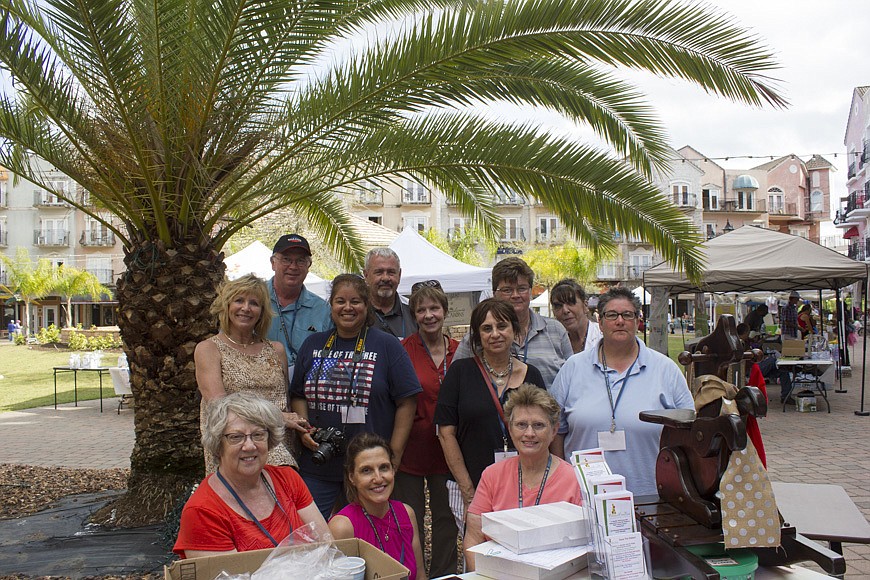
(247, 406)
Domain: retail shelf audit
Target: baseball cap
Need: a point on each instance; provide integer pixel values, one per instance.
(290, 241)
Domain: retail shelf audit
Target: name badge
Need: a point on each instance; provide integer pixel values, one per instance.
(290, 368)
(612, 441)
(353, 415)
(501, 455)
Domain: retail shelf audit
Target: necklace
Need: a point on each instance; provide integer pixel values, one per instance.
(241, 344)
(499, 378)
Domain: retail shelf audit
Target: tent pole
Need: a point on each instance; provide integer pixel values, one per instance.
(862, 412)
(839, 341)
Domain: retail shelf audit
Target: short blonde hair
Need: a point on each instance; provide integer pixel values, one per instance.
(529, 395)
(248, 406)
(232, 289)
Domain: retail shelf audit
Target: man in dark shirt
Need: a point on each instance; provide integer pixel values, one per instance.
(755, 319)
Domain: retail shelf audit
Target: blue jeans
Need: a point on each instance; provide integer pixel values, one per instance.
(325, 493)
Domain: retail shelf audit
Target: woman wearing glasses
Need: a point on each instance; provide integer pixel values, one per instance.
(246, 504)
(534, 476)
(602, 391)
(472, 426)
(423, 464)
(240, 358)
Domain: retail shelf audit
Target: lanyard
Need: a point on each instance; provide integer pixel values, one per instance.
(387, 326)
(443, 371)
(621, 389)
(496, 400)
(248, 511)
(293, 353)
(543, 481)
(352, 375)
(378, 536)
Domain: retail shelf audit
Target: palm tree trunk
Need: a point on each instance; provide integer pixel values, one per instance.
(164, 298)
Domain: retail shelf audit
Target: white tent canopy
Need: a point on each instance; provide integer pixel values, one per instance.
(755, 259)
(255, 260)
(422, 261)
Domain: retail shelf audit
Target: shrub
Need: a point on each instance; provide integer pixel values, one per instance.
(77, 341)
(50, 335)
(19, 339)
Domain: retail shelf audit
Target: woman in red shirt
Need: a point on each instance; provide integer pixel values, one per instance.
(246, 504)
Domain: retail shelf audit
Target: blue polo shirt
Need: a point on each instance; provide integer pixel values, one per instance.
(308, 315)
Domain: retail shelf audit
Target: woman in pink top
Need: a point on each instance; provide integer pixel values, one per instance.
(369, 473)
(534, 476)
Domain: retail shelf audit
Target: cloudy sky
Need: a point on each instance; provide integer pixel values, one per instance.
(822, 46)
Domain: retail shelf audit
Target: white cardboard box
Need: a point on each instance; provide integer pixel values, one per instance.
(496, 561)
(537, 528)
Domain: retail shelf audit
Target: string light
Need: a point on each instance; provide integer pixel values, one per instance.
(772, 157)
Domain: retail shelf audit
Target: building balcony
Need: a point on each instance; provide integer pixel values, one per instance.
(42, 198)
(788, 209)
(858, 250)
(635, 272)
(415, 199)
(852, 171)
(514, 235)
(684, 200)
(106, 276)
(556, 236)
(47, 238)
(510, 200)
(369, 198)
(97, 239)
(734, 206)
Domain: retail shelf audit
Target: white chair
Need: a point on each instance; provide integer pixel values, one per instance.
(121, 382)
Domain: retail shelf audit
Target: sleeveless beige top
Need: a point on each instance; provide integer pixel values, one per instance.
(261, 374)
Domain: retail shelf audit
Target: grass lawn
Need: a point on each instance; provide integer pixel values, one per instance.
(28, 380)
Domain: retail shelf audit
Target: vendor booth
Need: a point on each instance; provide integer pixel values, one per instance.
(752, 259)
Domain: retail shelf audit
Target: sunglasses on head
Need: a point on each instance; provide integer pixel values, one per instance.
(426, 284)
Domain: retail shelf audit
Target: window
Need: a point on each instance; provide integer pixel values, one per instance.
(101, 267)
(507, 196)
(512, 230)
(817, 178)
(458, 227)
(415, 192)
(3, 195)
(746, 200)
(52, 232)
(97, 233)
(420, 223)
(680, 195)
(548, 228)
(711, 198)
(775, 200)
(710, 230)
(640, 263)
(817, 201)
(3, 232)
(376, 219)
(367, 192)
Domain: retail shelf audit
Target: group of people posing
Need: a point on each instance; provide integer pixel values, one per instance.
(340, 415)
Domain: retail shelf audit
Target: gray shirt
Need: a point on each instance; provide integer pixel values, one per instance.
(546, 347)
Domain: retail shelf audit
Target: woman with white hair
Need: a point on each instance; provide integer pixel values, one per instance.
(246, 504)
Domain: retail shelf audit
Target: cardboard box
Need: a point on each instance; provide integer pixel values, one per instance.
(378, 564)
(537, 528)
(793, 347)
(496, 561)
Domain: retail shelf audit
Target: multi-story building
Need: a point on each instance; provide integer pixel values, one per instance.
(855, 205)
(48, 227)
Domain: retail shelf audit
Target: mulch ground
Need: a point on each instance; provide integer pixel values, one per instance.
(25, 490)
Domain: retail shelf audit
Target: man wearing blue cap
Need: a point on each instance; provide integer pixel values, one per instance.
(299, 313)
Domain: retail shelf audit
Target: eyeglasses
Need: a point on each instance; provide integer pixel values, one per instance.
(239, 438)
(522, 426)
(508, 291)
(425, 284)
(287, 261)
(613, 315)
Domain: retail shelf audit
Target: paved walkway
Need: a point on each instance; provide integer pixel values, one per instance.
(801, 447)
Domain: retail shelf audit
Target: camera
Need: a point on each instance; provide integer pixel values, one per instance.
(330, 443)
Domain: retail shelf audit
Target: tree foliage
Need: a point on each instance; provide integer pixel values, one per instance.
(69, 282)
(189, 119)
(27, 281)
(554, 263)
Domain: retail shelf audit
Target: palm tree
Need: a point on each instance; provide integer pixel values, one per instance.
(27, 282)
(71, 282)
(188, 119)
